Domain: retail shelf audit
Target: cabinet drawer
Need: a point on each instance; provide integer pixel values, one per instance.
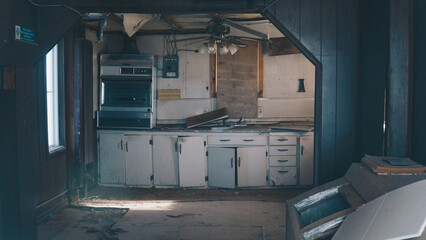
(282, 150)
(283, 176)
(282, 140)
(236, 140)
(282, 161)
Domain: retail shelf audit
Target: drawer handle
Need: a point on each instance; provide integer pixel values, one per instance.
(224, 140)
(282, 139)
(282, 150)
(283, 171)
(282, 160)
(248, 140)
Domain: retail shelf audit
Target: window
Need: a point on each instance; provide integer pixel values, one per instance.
(53, 98)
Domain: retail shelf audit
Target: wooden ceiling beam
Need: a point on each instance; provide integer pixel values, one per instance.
(171, 21)
(167, 6)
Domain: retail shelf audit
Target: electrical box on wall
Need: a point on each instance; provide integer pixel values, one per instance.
(171, 66)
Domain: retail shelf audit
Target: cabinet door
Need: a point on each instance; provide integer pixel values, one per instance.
(192, 161)
(111, 158)
(165, 160)
(138, 159)
(221, 167)
(251, 166)
(306, 160)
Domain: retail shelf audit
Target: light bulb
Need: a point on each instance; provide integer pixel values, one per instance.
(232, 48)
(223, 49)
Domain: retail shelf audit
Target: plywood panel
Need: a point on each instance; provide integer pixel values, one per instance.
(302, 108)
(168, 94)
(281, 74)
(237, 82)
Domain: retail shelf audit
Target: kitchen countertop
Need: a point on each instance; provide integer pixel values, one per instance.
(275, 127)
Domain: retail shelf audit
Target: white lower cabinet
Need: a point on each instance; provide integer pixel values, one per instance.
(111, 158)
(248, 163)
(125, 159)
(192, 161)
(306, 160)
(280, 176)
(251, 166)
(138, 156)
(221, 167)
(165, 160)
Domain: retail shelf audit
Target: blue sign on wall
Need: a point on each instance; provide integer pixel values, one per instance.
(24, 34)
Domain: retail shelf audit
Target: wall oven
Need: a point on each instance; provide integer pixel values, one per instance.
(127, 84)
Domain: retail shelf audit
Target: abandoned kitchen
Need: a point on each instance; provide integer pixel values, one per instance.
(196, 119)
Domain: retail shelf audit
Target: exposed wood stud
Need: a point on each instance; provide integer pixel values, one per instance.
(260, 70)
(212, 75)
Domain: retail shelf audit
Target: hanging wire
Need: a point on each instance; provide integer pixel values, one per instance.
(55, 5)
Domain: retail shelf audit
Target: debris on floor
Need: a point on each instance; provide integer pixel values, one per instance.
(190, 214)
(72, 222)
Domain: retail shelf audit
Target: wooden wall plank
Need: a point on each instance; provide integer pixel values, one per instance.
(26, 115)
(9, 182)
(310, 26)
(418, 150)
(288, 13)
(8, 78)
(399, 85)
(347, 84)
(328, 116)
(374, 52)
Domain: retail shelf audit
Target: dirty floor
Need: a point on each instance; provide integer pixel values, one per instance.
(130, 213)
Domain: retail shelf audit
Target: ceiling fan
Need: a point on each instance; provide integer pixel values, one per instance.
(219, 40)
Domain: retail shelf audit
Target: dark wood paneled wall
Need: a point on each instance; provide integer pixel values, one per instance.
(328, 29)
(374, 60)
(399, 84)
(9, 182)
(418, 143)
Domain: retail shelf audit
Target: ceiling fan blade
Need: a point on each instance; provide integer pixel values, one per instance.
(232, 40)
(194, 42)
(186, 39)
(249, 39)
(236, 42)
(244, 28)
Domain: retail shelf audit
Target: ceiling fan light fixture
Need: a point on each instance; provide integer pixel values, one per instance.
(212, 48)
(203, 49)
(232, 48)
(223, 49)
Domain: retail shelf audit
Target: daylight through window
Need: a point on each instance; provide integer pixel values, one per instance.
(52, 97)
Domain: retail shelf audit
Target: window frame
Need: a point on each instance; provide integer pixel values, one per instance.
(54, 149)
